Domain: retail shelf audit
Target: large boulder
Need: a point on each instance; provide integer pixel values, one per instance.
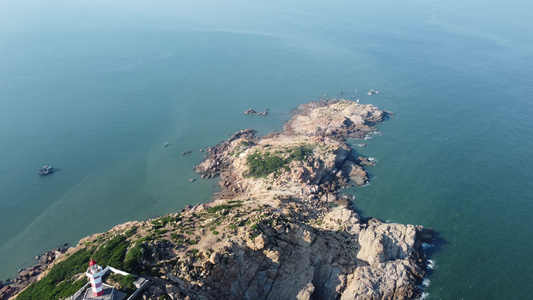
(382, 242)
(355, 172)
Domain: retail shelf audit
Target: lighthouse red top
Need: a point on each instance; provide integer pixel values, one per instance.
(92, 263)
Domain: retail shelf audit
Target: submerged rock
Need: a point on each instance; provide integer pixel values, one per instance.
(253, 112)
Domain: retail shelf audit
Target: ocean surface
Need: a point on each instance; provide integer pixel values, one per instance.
(95, 89)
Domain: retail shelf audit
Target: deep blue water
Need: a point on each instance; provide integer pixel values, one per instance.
(95, 89)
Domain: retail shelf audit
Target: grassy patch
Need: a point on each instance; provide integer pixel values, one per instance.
(263, 164)
(178, 238)
(301, 152)
(133, 257)
(161, 231)
(218, 208)
(131, 231)
(161, 222)
(112, 253)
(124, 281)
(59, 283)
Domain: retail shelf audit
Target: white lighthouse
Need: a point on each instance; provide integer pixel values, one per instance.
(94, 273)
(102, 291)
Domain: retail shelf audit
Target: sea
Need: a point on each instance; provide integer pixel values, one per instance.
(96, 88)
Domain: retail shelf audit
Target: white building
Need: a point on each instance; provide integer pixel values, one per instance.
(96, 289)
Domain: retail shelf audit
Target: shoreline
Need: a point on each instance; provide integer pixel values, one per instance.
(280, 199)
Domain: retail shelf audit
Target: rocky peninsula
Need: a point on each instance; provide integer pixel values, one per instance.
(279, 228)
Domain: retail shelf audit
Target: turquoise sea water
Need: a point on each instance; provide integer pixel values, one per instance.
(96, 88)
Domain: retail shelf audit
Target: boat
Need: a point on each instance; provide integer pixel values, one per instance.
(46, 170)
(166, 144)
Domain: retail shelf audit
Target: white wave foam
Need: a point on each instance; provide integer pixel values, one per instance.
(426, 282)
(431, 264)
(426, 246)
(369, 136)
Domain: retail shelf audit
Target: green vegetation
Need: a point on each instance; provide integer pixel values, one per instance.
(178, 238)
(300, 152)
(59, 282)
(194, 252)
(161, 222)
(146, 238)
(124, 281)
(113, 253)
(260, 165)
(217, 208)
(263, 164)
(244, 222)
(131, 231)
(159, 231)
(243, 145)
(132, 258)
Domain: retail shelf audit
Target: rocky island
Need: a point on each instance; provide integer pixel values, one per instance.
(278, 229)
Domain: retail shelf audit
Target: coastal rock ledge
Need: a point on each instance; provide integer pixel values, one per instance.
(279, 229)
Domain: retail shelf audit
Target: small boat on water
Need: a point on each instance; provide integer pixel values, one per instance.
(166, 144)
(46, 170)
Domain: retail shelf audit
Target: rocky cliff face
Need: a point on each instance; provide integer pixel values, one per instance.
(279, 229)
